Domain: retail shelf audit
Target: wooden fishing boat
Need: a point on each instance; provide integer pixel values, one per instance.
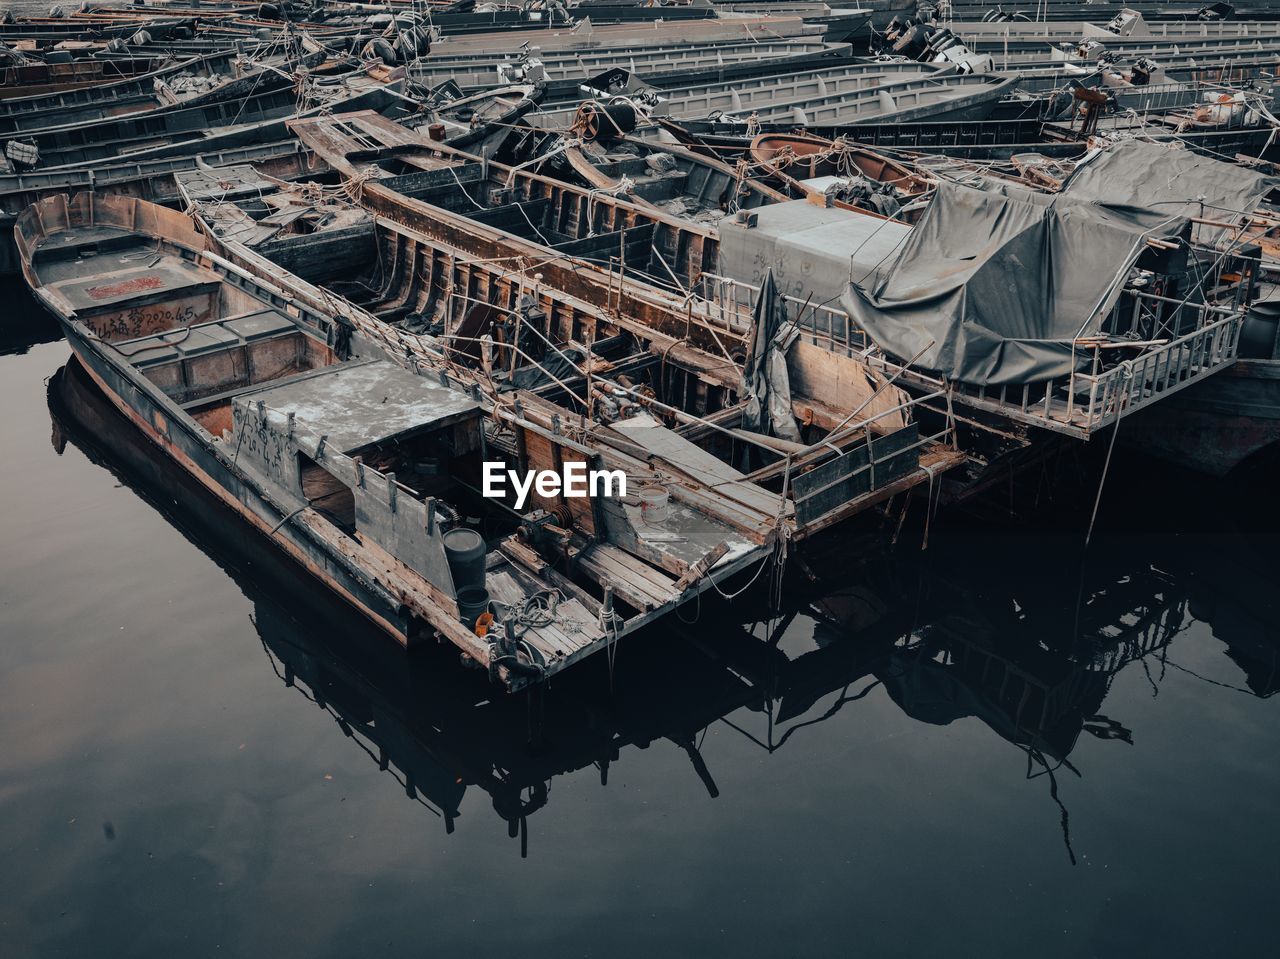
(853, 176)
(572, 67)
(489, 218)
(252, 118)
(292, 419)
(675, 241)
(1208, 47)
(368, 148)
(152, 180)
(95, 26)
(830, 92)
(587, 36)
(995, 139)
(943, 97)
(1068, 14)
(37, 78)
(667, 178)
(842, 24)
(742, 87)
(461, 24)
(184, 85)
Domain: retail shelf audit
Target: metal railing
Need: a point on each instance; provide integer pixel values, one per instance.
(1152, 346)
(1085, 401)
(731, 303)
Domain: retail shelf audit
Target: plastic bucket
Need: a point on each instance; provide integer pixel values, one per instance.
(654, 503)
(472, 602)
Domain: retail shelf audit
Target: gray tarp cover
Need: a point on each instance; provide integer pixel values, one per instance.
(765, 382)
(994, 285)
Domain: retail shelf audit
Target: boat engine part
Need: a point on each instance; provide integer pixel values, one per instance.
(597, 122)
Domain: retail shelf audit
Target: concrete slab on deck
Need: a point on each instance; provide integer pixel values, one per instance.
(357, 405)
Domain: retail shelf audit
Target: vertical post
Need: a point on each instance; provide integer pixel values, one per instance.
(871, 455)
(606, 606)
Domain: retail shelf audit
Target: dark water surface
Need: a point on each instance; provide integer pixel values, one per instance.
(972, 751)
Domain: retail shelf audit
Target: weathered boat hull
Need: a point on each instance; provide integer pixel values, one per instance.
(566, 70)
(109, 137)
(195, 142)
(95, 26)
(795, 161)
(824, 88)
(1216, 425)
(952, 98)
(1100, 12)
(153, 181)
(985, 139)
(388, 550)
(88, 104)
(191, 453)
(41, 79)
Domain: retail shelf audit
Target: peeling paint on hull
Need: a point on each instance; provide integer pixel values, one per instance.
(192, 455)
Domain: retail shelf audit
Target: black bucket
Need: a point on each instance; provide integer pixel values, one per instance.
(473, 602)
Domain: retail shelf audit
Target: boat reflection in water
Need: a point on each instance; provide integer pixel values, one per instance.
(943, 636)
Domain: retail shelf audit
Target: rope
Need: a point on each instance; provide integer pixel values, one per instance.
(538, 610)
(1127, 367)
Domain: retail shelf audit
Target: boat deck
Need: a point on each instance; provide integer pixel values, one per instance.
(193, 341)
(59, 252)
(165, 276)
(133, 290)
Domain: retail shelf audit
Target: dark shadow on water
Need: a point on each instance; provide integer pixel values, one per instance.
(24, 324)
(1018, 628)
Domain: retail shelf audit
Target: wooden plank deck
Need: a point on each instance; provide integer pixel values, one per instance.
(700, 466)
(574, 627)
(635, 582)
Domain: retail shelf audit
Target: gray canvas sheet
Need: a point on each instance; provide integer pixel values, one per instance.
(993, 286)
(1147, 183)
